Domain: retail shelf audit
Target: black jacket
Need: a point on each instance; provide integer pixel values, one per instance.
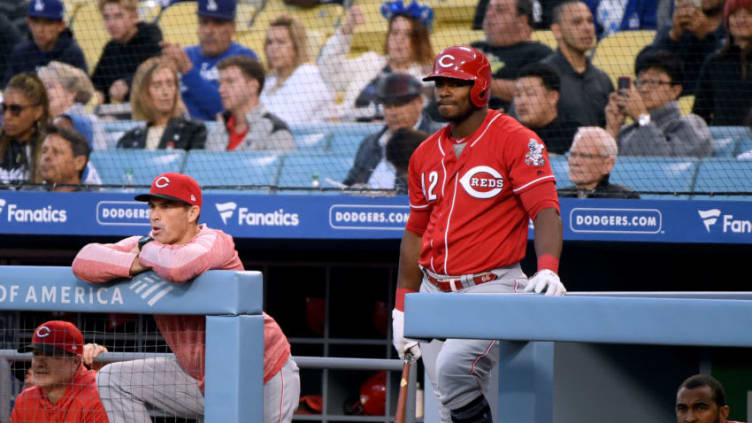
(186, 134)
(604, 189)
(370, 153)
(120, 61)
(27, 57)
(722, 96)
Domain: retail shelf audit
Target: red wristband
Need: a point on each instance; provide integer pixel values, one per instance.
(547, 261)
(399, 299)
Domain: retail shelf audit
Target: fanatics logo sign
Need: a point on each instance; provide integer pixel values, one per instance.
(482, 182)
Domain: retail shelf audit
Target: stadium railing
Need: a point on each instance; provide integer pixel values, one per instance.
(537, 377)
(234, 323)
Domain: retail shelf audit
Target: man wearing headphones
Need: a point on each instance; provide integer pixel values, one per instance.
(473, 187)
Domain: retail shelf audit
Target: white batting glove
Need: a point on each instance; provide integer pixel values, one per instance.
(545, 280)
(402, 344)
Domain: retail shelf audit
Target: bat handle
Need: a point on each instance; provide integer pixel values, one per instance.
(399, 416)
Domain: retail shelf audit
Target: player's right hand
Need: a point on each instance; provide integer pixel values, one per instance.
(402, 344)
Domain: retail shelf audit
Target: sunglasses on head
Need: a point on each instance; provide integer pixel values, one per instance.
(14, 109)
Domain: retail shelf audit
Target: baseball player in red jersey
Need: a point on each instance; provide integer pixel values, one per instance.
(473, 187)
(178, 249)
(63, 390)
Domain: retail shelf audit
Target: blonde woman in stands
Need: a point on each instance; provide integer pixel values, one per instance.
(69, 89)
(407, 50)
(25, 112)
(294, 89)
(156, 99)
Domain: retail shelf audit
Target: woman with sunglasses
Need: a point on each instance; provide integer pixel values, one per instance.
(156, 99)
(25, 112)
(407, 50)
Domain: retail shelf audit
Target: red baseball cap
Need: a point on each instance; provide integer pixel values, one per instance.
(56, 337)
(176, 187)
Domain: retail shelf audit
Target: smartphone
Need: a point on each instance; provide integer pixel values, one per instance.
(624, 83)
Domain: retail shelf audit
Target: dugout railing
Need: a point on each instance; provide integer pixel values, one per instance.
(590, 356)
(234, 323)
(234, 339)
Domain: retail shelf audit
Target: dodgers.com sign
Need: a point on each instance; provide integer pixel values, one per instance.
(612, 220)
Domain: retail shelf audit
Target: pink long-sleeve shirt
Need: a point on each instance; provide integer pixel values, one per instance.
(210, 249)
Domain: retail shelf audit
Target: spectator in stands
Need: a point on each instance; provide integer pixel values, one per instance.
(536, 99)
(591, 160)
(246, 125)
(659, 129)
(179, 249)
(50, 40)
(294, 89)
(401, 97)
(25, 112)
(407, 50)
(132, 42)
(62, 389)
(69, 89)
(65, 154)
(584, 87)
(724, 87)
(508, 28)
(702, 399)
(615, 16)
(197, 64)
(9, 37)
(156, 100)
(696, 32)
(399, 148)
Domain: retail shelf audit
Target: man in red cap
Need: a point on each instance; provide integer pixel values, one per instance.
(63, 390)
(179, 249)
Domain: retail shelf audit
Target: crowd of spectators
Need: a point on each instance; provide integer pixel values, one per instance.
(175, 90)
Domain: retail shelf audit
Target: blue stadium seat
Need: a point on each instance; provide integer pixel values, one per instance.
(560, 166)
(727, 140)
(656, 174)
(220, 168)
(724, 175)
(145, 165)
(311, 137)
(298, 169)
(347, 137)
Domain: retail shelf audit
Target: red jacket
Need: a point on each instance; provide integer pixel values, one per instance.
(80, 403)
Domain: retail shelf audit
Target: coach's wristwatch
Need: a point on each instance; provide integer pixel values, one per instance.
(143, 241)
(643, 119)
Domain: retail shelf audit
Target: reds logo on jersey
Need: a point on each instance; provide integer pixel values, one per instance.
(482, 182)
(534, 156)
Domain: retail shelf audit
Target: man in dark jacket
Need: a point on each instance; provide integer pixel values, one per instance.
(591, 160)
(400, 95)
(536, 97)
(50, 40)
(132, 42)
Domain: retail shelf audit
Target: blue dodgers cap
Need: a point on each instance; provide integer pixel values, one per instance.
(218, 9)
(49, 9)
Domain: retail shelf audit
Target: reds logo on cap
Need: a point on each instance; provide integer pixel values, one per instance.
(43, 332)
(443, 63)
(176, 187)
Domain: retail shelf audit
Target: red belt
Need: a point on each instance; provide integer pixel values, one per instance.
(451, 285)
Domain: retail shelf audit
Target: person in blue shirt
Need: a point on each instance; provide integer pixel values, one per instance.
(199, 81)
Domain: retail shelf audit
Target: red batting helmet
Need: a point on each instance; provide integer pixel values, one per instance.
(467, 64)
(372, 400)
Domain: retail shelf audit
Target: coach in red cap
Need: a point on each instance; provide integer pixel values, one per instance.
(179, 249)
(62, 390)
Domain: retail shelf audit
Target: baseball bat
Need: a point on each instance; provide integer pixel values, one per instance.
(399, 416)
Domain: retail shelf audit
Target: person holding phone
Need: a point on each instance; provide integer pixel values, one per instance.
(659, 129)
